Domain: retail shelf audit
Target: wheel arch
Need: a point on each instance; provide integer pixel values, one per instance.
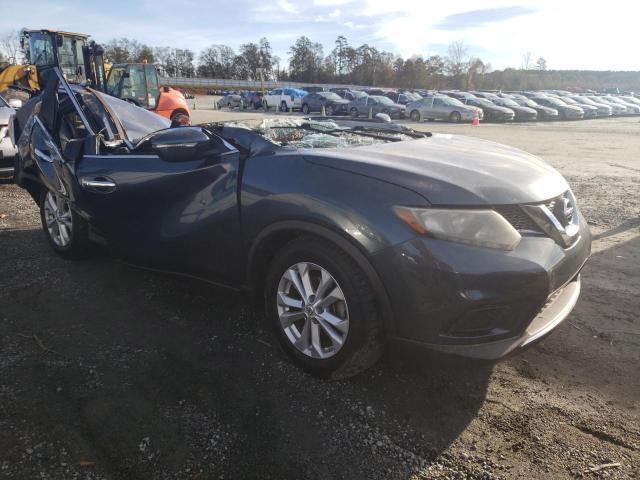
(269, 241)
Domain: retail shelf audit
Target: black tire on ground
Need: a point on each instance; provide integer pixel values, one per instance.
(363, 345)
(79, 247)
(328, 110)
(354, 112)
(305, 109)
(455, 117)
(415, 115)
(283, 106)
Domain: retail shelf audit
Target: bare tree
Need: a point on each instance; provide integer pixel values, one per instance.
(541, 64)
(527, 61)
(10, 46)
(458, 63)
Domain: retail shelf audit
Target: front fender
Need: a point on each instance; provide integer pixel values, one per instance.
(286, 187)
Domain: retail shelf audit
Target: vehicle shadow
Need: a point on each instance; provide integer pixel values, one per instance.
(155, 376)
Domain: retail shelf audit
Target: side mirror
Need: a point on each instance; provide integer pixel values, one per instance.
(185, 144)
(15, 103)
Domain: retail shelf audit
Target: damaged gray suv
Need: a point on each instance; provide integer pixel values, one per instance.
(351, 234)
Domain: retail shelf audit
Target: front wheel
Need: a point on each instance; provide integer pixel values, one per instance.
(66, 231)
(180, 118)
(305, 109)
(328, 110)
(354, 112)
(455, 117)
(415, 115)
(283, 106)
(323, 309)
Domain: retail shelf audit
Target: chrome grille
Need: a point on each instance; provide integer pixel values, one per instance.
(517, 217)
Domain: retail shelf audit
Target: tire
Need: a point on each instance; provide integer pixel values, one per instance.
(415, 115)
(361, 336)
(77, 245)
(181, 118)
(455, 117)
(328, 110)
(354, 112)
(305, 109)
(283, 106)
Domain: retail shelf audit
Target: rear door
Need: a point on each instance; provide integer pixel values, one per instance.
(439, 109)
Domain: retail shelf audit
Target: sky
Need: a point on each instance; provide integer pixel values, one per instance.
(569, 34)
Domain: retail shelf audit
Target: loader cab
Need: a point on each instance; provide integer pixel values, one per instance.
(49, 48)
(136, 83)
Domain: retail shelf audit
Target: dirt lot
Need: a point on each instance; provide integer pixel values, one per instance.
(111, 372)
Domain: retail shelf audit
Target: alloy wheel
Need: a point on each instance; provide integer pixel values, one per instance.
(312, 310)
(58, 218)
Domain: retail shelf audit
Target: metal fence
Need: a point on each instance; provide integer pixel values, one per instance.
(225, 83)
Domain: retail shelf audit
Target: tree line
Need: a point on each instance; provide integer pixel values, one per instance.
(356, 65)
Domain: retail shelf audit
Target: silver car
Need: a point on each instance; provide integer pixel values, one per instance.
(603, 109)
(632, 108)
(617, 108)
(7, 148)
(442, 107)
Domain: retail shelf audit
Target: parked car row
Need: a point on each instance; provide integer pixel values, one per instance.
(447, 105)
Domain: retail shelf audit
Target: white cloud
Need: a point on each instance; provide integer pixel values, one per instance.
(287, 6)
(331, 3)
(568, 34)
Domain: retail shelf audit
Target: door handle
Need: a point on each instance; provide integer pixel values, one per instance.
(100, 184)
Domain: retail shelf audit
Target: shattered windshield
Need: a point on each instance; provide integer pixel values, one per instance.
(330, 95)
(480, 101)
(382, 100)
(304, 133)
(506, 102)
(136, 122)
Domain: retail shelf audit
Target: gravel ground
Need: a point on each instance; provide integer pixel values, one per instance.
(111, 372)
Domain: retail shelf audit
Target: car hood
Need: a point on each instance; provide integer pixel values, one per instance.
(547, 110)
(452, 170)
(342, 101)
(522, 109)
(497, 108)
(5, 113)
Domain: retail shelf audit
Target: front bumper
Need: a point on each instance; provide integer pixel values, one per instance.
(573, 115)
(478, 302)
(526, 117)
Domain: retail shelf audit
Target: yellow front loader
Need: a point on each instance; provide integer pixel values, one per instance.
(79, 59)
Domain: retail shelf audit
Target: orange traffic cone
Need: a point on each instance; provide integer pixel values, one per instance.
(476, 119)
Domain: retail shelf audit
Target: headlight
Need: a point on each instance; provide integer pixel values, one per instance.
(483, 228)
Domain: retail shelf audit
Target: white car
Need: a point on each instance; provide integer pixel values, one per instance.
(7, 148)
(286, 99)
